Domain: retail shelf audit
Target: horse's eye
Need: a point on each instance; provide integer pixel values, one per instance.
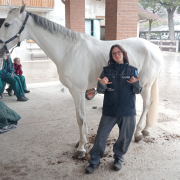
(6, 24)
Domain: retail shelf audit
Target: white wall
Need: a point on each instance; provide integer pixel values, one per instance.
(94, 8)
(3, 14)
(58, 14)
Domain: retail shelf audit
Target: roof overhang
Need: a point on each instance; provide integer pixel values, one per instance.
(144, 15)
(29, 8)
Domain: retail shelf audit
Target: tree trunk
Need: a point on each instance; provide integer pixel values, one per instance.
(171, 24)
(149, 31)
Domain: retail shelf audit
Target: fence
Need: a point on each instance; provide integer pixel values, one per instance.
(167, 45)
(32, 3)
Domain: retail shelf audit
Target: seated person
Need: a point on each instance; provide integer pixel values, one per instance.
(18, 71)
(8, 118)
(7, 75)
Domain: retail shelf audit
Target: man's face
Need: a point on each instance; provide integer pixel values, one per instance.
(117, 55)
(18, 62)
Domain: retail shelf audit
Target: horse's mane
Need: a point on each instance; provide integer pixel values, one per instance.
(54, 28)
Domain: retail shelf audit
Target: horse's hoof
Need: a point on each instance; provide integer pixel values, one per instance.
(79, 154)
(145, 133)
(138, 138)
(77, 145)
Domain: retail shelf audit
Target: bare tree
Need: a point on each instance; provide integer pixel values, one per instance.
(170, 5)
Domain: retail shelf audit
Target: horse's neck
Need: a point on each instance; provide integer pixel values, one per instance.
(51, 44)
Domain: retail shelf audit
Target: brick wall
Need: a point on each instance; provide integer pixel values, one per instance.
(75, 15)
(121, 19)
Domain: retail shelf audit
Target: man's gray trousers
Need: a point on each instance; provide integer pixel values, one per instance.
(126, 129)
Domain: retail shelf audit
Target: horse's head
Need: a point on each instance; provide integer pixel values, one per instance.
(11, 27)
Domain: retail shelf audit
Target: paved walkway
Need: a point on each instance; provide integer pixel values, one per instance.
(42, 145)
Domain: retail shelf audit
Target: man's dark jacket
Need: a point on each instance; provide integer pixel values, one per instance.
(119, 97)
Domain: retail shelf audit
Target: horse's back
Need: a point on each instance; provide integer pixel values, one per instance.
(144, 55)
(94, 54)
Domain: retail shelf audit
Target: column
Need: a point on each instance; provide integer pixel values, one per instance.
(75, 15)
(121, 19)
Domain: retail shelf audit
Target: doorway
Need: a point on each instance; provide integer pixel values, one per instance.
(1, 22)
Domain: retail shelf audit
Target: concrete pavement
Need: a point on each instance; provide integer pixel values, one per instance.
(42, 145)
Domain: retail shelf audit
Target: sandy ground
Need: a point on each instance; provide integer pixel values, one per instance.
(43, 144)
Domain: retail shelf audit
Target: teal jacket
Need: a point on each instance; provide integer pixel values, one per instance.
(7, 68)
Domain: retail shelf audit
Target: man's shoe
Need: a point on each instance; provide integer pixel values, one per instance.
(1, 96)
(25, 96)
(22, 98)
(117, 165)
(90, 169)
(26, 91)
(9, 91)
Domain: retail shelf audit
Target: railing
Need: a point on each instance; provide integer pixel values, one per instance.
(167, 45)
(32, 3)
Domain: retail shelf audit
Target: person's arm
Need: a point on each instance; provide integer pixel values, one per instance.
(3, 71)
(136, 87)
(11, 67)
(20, 70)
(100, 87)
(1, 63)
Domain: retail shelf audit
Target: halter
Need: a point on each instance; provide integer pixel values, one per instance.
(16, 36)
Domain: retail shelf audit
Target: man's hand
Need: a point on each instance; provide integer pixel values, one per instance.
(12, 75)
(104, 81)
(133, 79)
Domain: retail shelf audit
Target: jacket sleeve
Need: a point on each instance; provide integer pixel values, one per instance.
(100, 87)
(1, 66)
(1, 63)
(136, 86)
(20, 70)
(11, 67)
(3, 71)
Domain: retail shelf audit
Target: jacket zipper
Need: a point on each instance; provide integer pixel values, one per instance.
(119, 89)
(117, 92)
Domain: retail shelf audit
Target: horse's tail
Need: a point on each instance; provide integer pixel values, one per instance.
(152, 115)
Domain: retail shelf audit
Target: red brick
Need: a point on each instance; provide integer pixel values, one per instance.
(75, 15)
(121, 19)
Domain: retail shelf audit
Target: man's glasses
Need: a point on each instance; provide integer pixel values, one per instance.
(116, 53)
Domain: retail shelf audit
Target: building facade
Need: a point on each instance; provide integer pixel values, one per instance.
(90, 16)
(53, 10)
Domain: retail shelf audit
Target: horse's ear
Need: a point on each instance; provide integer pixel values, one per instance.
(10, 7)
(22, 9)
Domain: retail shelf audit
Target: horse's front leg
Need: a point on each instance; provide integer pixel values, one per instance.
(146, 95)
(79, 100)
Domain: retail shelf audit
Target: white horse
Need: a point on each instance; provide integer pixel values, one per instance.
(80, 59)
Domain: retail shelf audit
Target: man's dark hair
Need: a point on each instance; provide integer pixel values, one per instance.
(125, 57)
(15, 59)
